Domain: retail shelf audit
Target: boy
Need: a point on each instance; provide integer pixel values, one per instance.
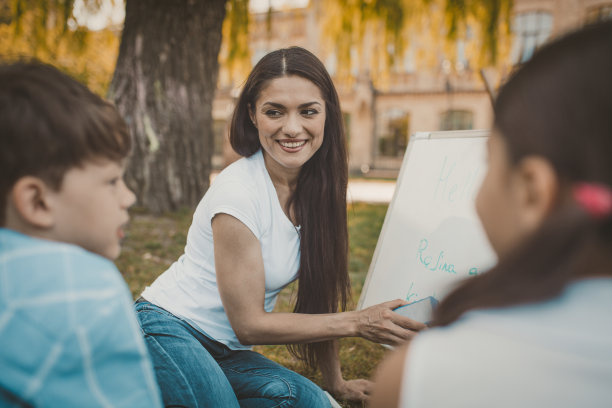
(68, 334)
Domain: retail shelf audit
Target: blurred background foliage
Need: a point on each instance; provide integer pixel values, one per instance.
(48, 31)
(385, 29)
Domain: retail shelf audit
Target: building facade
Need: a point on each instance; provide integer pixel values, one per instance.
(444, 94)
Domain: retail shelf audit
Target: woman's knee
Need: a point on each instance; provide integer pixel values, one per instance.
(311, 395)
(281, 391)
(304, 393)
(187, 375)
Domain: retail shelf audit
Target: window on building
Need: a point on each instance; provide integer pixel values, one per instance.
(410, 60)
(405, 62)
(531, 30)
(457, 120)
(461, 64)
(393, 133)
(599, 13)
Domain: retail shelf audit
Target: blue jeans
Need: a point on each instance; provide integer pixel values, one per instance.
(195, 371)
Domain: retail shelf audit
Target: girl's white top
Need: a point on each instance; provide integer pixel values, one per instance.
(188, 289)
(556, 353)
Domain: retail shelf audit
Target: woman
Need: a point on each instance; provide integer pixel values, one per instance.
(536, 331)
(276, 215)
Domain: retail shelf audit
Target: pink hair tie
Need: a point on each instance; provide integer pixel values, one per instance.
(596, 199)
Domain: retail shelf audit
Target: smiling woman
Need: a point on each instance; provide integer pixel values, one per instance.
(274, 216)
(290, 117)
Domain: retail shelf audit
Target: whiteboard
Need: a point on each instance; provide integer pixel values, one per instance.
(431, 236)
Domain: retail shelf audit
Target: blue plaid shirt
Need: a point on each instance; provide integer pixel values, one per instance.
(68, 333)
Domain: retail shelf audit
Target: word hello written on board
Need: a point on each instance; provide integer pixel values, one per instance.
(452, 186)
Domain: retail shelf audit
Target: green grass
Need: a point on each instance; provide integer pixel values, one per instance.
(154, 242)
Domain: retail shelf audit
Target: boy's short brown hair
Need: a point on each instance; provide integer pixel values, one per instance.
(50, 123)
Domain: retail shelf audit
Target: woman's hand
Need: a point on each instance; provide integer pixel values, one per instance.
(353, 390)
(380, 324)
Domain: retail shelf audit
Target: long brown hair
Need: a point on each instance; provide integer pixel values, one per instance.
(319, 200)
(558, 106)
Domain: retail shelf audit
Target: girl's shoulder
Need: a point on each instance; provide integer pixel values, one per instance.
(583, 305)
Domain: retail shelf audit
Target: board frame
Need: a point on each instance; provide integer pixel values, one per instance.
(381, 238)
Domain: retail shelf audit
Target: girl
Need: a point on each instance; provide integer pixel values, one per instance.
(536, 331)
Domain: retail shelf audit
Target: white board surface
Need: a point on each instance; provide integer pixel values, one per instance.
(431, 237)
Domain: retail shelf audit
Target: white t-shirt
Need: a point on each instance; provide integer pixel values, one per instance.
(556, 353)
(188, 289)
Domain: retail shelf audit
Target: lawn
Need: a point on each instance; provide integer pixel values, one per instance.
(154, 242)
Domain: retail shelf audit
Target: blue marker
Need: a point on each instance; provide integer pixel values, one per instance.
(420, 310)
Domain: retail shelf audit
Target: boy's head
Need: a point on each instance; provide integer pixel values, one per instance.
(62, 151)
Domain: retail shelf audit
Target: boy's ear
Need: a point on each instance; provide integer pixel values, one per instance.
(539, 187)
(30, 199)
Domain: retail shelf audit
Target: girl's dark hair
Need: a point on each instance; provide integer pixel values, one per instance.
(319, 200)
(557, 106)
(50, 123)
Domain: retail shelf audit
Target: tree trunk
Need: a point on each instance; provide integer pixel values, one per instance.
(164, 85)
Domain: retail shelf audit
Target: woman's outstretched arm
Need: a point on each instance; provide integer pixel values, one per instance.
(241, 281)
